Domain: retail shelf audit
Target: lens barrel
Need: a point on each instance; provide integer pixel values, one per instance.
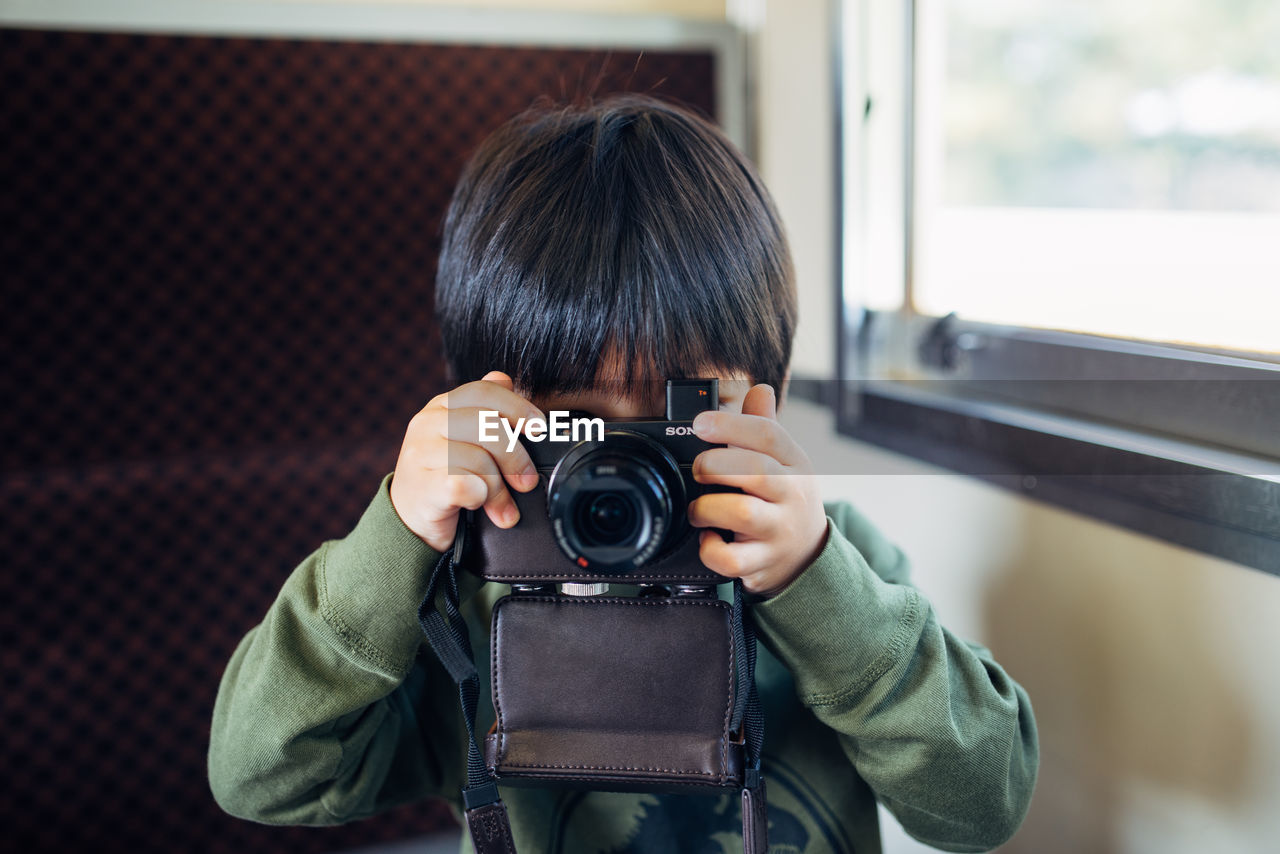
(617, 504)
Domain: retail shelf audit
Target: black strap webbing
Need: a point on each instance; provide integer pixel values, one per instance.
(451, 644)
(746, 706)
(486, 815)
(747, 711)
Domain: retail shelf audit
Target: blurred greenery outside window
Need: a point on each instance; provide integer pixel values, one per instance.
(1102, 167)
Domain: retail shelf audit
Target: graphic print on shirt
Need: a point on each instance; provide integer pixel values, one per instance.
(621, 823)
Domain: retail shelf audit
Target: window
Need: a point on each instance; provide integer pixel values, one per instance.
(1059, 259)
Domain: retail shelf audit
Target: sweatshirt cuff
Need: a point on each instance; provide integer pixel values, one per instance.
(371, 583)
(838, 627)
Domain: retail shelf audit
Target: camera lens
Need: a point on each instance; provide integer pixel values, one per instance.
(610, 518)
(616, 504)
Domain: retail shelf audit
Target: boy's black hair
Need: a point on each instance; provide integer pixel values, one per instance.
(629, 229)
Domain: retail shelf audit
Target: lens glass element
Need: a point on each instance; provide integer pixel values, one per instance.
(614, 505)
(608, 518)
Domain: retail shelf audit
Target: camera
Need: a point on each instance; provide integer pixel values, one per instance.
(611, 508)
(653, 692)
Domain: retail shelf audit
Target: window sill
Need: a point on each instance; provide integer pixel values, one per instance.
(1217, 501)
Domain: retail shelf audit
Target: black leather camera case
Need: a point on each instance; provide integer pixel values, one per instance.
(614, 693)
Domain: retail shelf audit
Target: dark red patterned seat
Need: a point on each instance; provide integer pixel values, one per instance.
(217, 257)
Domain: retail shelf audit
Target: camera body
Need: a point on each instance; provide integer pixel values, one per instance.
(642, 692)
(651, 692)
(612, 509)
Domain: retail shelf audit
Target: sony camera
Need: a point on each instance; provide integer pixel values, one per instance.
(611, 508)
(648, 691)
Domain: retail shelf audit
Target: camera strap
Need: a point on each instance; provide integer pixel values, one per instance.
(486, 814)
(747, 712)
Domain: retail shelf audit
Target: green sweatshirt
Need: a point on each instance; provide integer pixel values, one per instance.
(333, 709)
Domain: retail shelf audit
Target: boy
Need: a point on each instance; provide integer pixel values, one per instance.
(590, 253)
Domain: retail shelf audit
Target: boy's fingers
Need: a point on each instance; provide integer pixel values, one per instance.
(488, 394)
(468, 462)
(760, 400)
(753, 432)
(743, 514)
(732, 560)
(752, 471)
(462, 489)
(462, 427)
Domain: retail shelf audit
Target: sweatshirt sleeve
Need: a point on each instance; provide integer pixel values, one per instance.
(934, 725)
(325, 712)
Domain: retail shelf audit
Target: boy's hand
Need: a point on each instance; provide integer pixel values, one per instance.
(443, 466)
(778, 521)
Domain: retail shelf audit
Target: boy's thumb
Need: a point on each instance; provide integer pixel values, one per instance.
(500, 378)
(760, 400)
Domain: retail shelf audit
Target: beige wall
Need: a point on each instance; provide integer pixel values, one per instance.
(795, 138)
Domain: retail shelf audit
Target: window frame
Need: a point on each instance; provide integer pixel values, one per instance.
(1173, 442)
